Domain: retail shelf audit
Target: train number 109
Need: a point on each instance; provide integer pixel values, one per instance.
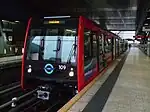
(62, 67)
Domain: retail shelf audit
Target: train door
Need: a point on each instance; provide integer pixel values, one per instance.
(90, 53)
(100, 52)
(114, 47)
(108, 49)
(117, 47)
(95, 47)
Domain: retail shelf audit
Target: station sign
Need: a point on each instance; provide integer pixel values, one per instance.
(54, 22)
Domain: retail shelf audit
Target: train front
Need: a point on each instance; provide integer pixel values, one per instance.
(50, 56)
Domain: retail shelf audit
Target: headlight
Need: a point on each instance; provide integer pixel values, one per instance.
(29, 70)
(76, 91)
(71, 74)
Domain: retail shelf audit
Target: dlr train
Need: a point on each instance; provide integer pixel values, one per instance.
(66, 52)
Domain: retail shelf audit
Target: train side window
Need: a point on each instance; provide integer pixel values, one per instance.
(100, 45)
(90, 53)
(87, 46)
(108, 45)
(94, 46)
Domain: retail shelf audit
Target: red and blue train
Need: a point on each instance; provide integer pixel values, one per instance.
(67, 52)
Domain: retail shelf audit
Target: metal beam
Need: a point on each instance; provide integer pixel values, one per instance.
(127, 17)
(121, 18)
(122, 29)
(121, 25)
(119, 28)
(113, 9)
(129, 23)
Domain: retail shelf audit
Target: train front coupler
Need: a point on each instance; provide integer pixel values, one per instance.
(43, 92)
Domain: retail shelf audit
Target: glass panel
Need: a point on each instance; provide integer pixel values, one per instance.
(33, 51)
(50, 46)
(108, 45)
(54, 45)
(90, 53)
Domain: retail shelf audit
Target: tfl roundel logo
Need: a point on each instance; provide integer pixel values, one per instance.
(49, 68)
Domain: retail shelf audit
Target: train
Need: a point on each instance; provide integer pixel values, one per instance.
(66, 52)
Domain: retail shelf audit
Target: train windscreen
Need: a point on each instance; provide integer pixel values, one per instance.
(53, 44)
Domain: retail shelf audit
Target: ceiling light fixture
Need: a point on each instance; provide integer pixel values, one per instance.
(146, 24)
(57, 17)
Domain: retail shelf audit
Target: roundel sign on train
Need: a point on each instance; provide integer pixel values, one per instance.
(49, 68)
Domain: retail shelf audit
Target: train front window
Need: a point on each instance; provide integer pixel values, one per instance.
(58, 45)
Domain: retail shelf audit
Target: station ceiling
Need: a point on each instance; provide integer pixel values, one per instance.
(123, 15)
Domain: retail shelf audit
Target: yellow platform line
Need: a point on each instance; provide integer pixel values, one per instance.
(68, 105)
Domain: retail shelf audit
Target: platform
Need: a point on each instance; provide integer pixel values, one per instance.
(10, 60)
(10, 69)
(124, 87)
(132, 89)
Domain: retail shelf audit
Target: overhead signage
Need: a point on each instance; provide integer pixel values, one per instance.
(54, 22)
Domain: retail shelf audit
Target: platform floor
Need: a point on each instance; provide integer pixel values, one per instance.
(131, 92)
(11, 59)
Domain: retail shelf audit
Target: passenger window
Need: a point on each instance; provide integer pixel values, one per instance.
(94, 40)
(87, 46)
(100, 45)
(108, 45)
(90, 53)
(90, 46)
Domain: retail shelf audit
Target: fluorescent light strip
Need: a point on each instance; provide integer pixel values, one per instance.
(146, 24)
(148, 18)
(57, 17)
(8, 21)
